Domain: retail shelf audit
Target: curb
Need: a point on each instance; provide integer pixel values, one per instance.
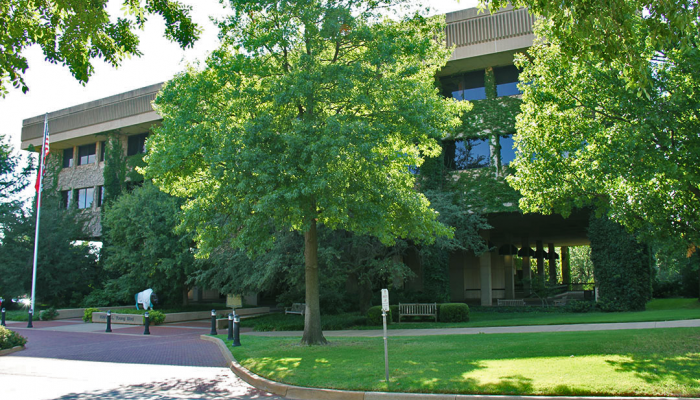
(305, 393)
(10, 351)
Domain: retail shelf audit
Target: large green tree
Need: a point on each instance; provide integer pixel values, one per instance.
(142, 249)
(310, 114)
(74, 33)
(610, 115)
(13, 176)
(66, 268)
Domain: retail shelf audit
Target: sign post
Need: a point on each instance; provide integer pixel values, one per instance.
(385, 308)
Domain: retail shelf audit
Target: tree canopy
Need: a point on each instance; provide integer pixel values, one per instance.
(610, 115)
(310, 113)
(74, 33)
(144, 251)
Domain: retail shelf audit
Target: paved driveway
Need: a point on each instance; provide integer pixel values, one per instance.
(72, 360)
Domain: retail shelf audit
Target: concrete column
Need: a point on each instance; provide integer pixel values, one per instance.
(552, 265)
(527, 272)
(485, 279)
(508, 271)
(565, 267)
(540, 261)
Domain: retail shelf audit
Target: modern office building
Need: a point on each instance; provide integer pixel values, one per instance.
(481, 70)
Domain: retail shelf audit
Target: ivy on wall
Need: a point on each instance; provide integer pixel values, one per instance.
(115, 169)
(485, 189)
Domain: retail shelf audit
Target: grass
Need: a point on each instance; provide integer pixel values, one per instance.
(658, 362)
(657, 310)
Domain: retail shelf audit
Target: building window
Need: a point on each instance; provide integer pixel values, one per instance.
(68, 158)
(103, 146)
(86, 154)
(85, 197)
(100, 195)
(469, 86)
(507, 150)
(467, 154)
(66, 198)
(506, 81)
(137, 144)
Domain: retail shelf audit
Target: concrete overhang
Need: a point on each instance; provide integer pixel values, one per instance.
(483, 39)
(130, 112)
(512, 227)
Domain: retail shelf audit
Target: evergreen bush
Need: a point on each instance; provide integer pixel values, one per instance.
(578, 306)
(453, 312)
(48, 314)
(156, 317)
(374, 316)
(621, 265)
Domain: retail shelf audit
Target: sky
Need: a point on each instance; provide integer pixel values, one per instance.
(52, 87)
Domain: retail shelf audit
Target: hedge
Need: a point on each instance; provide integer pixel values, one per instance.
(453, 312)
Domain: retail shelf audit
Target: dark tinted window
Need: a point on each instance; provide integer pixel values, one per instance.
(137, 144)
(506, 80)
(469, 86)
(467, 154)
(68, 158)
(86, 154)
(103, 145)
(66, 198)
(507, 150)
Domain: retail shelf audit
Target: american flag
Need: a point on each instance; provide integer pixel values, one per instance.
(44, 153)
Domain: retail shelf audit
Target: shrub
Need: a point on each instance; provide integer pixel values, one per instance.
(621, 267)
(374, 316)
(578, 306)
(87, 316)
(394, 313)
(48, 314)
(454, 312)
(156, 317)
(10, 339)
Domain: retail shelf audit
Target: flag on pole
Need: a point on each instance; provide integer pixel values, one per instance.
(44, 153)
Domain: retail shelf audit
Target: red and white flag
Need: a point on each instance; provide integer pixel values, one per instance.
(44, 153)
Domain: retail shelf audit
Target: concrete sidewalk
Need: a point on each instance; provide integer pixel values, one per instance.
(689, 323)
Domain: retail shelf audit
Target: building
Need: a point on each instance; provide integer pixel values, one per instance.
(481, 70)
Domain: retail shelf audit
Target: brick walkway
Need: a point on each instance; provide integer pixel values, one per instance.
(75, 340)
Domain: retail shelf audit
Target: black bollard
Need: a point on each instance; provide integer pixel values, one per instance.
(230, 327)
(146, 323)
(236, 330)
(29, 323)
(2, 323)
(213, 322)
(109, 321)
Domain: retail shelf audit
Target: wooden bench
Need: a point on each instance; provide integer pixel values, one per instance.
(511, 302)
(418, 310)
(296, 308)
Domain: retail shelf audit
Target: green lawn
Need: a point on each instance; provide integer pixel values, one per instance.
(658, 362)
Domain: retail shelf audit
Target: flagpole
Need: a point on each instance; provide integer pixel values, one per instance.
(40, 179)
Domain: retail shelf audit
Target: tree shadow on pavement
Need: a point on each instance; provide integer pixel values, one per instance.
(218, 388)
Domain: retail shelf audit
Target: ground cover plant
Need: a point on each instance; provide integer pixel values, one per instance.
(656, 310)
(656, 362)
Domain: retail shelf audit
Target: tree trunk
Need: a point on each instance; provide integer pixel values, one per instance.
(185, 299)
(313, 335)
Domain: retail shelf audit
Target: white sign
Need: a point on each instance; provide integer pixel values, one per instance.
(385, 299)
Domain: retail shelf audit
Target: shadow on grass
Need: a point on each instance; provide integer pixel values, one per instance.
(681, 370)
